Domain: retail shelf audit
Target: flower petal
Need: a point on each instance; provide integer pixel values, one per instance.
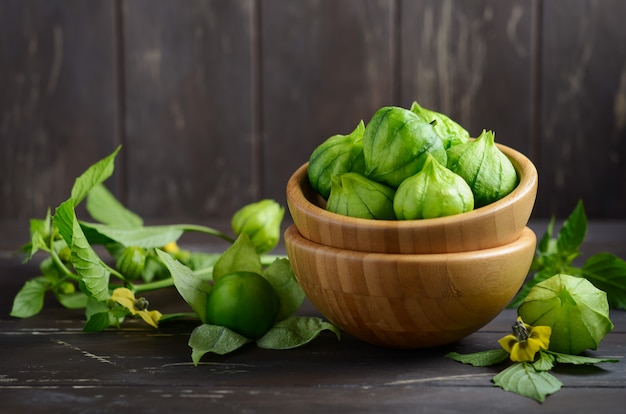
(508, 342)
(171, 247)
(150, 317)
(126, 298)
(541, 334)
(523, 352)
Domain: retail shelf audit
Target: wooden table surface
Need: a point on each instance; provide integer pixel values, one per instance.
(49, 365)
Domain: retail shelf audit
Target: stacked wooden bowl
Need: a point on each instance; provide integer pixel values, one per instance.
(413, 283)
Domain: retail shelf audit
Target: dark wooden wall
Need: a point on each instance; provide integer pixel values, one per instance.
(217, 102)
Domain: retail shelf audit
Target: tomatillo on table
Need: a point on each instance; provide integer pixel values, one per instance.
(244, 302)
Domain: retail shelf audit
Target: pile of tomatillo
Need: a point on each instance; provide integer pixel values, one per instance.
(408, 164)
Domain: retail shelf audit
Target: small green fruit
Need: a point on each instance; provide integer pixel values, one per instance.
(396, 144)
(337, 155)
(244, 302)
(573, 307)
(131, 262)
(354, 195)
(489, 173)
(450, 132)
(261, 222)
(433, 192)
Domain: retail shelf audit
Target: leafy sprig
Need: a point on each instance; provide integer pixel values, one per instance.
(81, 278)
(529, 379)
(556, 254)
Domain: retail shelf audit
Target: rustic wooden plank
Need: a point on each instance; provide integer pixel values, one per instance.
(49, 364)
(473, 61)
(583, 133)
(350, 375)
(196, 398)
(189, 107)
(325, 66)
(58, 100)
(156, 358)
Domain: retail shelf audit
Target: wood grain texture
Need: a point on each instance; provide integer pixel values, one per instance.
(58, 99)
(409, 300)
(471, 60)
(325, 66)
(217, 103)
(49, 366)
(583, 133)
(188, 107)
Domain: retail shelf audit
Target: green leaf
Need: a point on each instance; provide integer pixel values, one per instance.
(608, 273)
(281, 277)
(193, 290)
(480, 359)
(203, 261)
(49, 267)
(241, 256)
(154, 269)
(105, 208)
(29, 300)
(93, 306)
(216, 339)
(521, 378)
(579, 359)
(92, 271)
(93, 176)
(544, 246)
(39, 233)
(99, 322)
(77, 300)
(545, 362)
(294, 332)
(146, 237)
(64, 217)
(573, 232)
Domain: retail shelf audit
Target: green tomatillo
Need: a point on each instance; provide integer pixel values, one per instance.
(449, 131)
(131, 262)
(396, 144)
(261, 222)
(355, 195)
(573, 307)
(489, 173)
(337, 155)
(244, 302)
(433, 192)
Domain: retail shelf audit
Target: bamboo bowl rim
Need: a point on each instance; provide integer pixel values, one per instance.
(302, 196)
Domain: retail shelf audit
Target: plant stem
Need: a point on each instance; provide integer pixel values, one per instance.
(159, 284)
(115, 272)
(268, 259)
(205, 271)
(57, 260)
(169, 316)
(206, 230)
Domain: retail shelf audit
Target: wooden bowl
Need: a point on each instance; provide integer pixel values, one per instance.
(496, 224)
(409, 300)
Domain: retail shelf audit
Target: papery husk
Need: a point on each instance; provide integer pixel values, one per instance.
(573, 307)
(337, 155)
(396, 144)
(433, 192)
(354, 195)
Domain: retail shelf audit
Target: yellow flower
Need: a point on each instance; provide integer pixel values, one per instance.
(525, 341)
(171, 247)
(126, 298)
